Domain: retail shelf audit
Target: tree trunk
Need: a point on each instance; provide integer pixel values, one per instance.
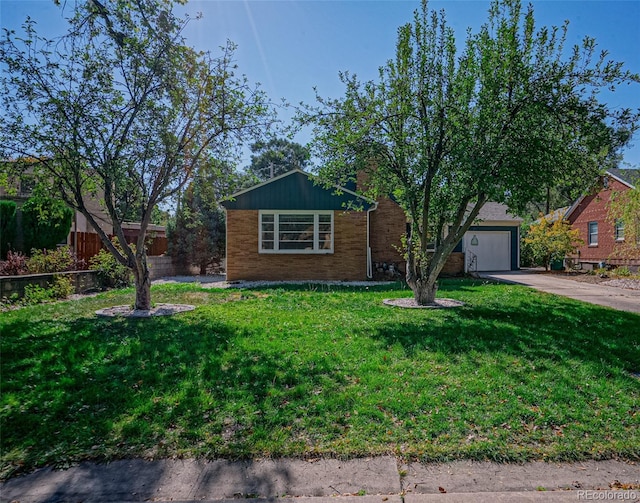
(423, 285)
(143, 284)
(424, 291)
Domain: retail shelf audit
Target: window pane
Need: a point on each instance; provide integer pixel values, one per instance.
(296, 245)
(296, 218)
(619, 230)
(593, 233)
(295, 232)
(324, 241)
(295, 227)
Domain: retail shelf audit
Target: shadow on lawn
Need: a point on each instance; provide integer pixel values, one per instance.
(194, 384)
(103, 389)
(528, 325)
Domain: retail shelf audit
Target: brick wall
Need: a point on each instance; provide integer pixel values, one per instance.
(388, 225)
(594, 208)
(347, 262)
(160, 266)
(454, 265)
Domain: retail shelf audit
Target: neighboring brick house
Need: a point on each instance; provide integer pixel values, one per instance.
(603, 238)
(290, 228)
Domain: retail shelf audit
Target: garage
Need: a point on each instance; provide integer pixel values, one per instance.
(488, 250)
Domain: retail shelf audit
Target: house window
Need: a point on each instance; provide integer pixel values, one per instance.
(296, 232)
(593, 233)
(619, 230)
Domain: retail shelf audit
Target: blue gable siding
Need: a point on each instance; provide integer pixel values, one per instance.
(294, 191)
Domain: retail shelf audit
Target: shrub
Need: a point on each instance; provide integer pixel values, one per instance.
(110, 272)
(15, 264)
(62, 286)
(45, 221)
(60, 289)
(601, 271)
(7, 226)
(58, 260)
(548, 240)
(623, 271)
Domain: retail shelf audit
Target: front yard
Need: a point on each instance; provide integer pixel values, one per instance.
(321, 371)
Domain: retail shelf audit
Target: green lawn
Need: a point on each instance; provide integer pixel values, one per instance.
(312, 370)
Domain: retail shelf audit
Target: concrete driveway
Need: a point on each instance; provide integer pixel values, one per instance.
(618, 298)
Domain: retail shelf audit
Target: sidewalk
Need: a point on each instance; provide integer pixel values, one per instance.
(618, 298)
(367, 480)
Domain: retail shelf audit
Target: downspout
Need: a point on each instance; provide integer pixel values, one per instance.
(374, 207)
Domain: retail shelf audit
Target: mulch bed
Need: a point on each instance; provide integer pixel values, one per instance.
(157, 310)
(410, 303)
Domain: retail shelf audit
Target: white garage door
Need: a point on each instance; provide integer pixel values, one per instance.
(492, 250)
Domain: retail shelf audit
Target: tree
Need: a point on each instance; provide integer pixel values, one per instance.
(558, 196)
(121, 109)
(445, 132)
(277, 156)
(550, 240)
(46, 221)
(624, 213)
(197, 236)
(7, 226)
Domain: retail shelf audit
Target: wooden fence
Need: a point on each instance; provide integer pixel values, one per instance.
(89, 244)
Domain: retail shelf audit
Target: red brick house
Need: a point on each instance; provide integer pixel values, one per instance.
(290, 228)
(603, 238)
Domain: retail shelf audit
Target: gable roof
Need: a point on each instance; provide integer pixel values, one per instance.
(295, 190)
(495, 212)
(630, 177)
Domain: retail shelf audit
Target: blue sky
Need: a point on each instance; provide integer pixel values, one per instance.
(292, 46)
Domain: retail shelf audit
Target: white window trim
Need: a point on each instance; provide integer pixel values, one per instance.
(594, 243)
(316, 237)
(618, 224)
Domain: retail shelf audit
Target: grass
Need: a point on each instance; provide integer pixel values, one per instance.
(304, 371)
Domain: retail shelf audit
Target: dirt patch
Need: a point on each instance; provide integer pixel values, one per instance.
(157, 310)
(410, 303)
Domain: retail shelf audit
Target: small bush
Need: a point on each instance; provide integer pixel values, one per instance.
(60, 289)
(602, 272)
(111, 273)
(48, 261)
(623, 271)
(15, 264)
(62, 286)
(35, 294)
